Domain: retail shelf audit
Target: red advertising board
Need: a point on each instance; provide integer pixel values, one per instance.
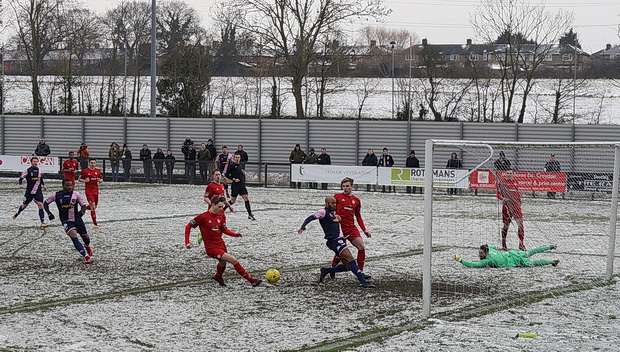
(525, 181)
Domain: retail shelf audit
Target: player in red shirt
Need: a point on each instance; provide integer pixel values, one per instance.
(70, 168)
(91, 177)
(216, 188)
(212, 225)
(508, 193)
(348, 207)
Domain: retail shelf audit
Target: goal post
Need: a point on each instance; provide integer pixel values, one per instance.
(533, 195)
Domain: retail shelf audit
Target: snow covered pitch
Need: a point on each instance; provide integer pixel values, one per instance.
(146, 292)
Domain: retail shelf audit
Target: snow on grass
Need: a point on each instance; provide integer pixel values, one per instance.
(145, 291)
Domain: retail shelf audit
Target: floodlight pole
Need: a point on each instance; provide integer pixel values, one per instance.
(393, 44)
(153, 58)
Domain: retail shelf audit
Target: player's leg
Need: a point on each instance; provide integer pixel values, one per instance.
(542, 262)
(93, 201)
(219, 272)
(39, 204)
(536, 250)
(23, 206)
(240, 269)
(506, 223)
(246, 199)
(337, 246)
(520, 233)
(71, 231)
(347, 258)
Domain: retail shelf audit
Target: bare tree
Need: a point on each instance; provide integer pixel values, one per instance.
(39, 29)
(528, 33)
(177, 24)
(128, 27)
(367, 87)
(294, 28)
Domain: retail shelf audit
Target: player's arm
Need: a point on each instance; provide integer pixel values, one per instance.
(229, 232)
(21, 179)
(306, 222)
(481, 264)
(360, 221)
(206, 196)
(81, 203)
(81, 179)
(188, 230)
(46, 206)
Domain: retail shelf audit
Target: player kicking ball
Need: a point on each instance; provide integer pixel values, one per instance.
(330, 222)
(212, 225)
(491, 257)
(67, 202)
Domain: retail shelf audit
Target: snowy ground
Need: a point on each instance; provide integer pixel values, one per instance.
(146, 292)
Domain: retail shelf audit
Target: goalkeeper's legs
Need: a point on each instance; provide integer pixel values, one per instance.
(542, 262)
(533, 251)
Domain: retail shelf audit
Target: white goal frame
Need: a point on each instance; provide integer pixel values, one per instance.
(428, 200)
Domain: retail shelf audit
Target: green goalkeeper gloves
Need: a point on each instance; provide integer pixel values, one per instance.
(456, 257)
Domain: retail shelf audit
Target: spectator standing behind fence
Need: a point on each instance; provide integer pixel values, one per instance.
(386, 160)
(324, 159)
(158, 161)
(82, 155)
(501, 164)
(190, 167)
(204, 156)
(190, 163)
(454, 163)
(412, 162)
(126, 158)
(145, 156)
(244, 156)
(42, 148)
(170, 160)
(297, 157)
(370, 160)
(312, 158)
(115, 156)
(213, 152)
(552, 166)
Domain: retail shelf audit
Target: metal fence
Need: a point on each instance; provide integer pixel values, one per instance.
(270, 141)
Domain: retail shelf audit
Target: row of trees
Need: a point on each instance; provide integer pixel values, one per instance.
(300, 35)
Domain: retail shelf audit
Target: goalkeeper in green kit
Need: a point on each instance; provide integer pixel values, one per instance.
(491, 257)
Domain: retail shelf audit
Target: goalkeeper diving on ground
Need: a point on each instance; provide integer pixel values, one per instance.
(491, 257)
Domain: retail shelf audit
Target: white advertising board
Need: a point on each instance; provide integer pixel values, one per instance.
(333, 173)
(47, 164)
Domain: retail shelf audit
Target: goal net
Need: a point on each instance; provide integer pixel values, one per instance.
(561, 194)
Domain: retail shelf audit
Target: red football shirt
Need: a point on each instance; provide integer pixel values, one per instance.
(92, 186)
(211, 228)
(214, 189)
(349, 207)
(68, 164)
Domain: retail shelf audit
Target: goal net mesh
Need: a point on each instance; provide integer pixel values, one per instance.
(565, 193)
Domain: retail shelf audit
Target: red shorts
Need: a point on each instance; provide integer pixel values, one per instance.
(351, 232)
(92, 198)
(216, 252)
(511, 211)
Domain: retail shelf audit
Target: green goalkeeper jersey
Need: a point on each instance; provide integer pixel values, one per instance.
(497, 259)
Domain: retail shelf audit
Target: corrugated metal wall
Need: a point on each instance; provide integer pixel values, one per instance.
(346, 140)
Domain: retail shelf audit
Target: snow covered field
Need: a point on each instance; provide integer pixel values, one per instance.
(145, 291)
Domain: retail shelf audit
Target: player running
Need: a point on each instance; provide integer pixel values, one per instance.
(216, 188)
(236, 174)
(212, 225)
(70, 168)
(330, 222)
(348, 207)
(34, 189)
(510, 196)
(222, 161)
(91, 177)
(67, 202)
(491, 257)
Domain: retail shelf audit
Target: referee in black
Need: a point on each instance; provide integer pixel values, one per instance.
(236, 175)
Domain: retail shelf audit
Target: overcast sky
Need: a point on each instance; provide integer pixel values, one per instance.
(447, 21)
